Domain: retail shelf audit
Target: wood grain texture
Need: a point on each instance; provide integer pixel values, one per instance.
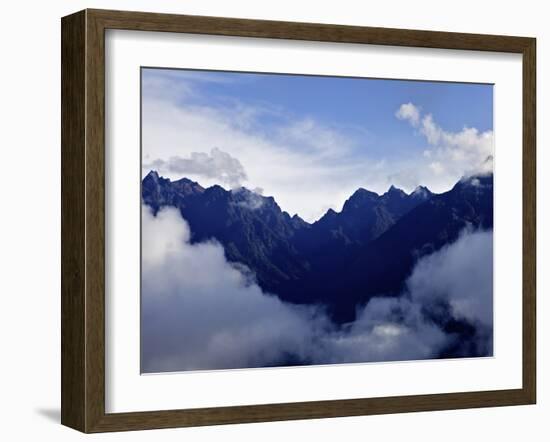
(83, 220)
(95, 222)
(145, 21)
(529, 221)
(73, 128)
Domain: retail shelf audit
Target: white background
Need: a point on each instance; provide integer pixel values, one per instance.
(30, 233)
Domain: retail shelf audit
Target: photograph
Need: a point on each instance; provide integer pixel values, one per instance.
(291, 220)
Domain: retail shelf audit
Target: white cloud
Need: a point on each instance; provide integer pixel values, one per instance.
(216, 165)
(315, 137)
(176, 84)
(437, 168)
(386, 329)
(201, 312)
(251, 200)
(409, 112)
(466, 150)
(450, 155)
(460, 274)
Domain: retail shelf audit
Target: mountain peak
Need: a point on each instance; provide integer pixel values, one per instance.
(475, 179)
(187, 186)
(421, 191)
(479, 180)
(364, 192)
(154, 181)
(298, 222)
(186, 181)
(359, 198)
(329, 215)
(395, 191)
(152, 175)
(216, 189)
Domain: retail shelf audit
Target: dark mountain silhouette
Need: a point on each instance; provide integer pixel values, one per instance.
(344, 258)
(252, 229)
(382, 266)
(364, 217)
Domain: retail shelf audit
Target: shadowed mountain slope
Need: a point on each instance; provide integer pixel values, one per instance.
(344, 258)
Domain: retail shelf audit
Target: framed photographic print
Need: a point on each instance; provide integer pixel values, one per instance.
(270, 220)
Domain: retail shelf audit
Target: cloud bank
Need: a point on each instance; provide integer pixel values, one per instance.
(201, 312)
(449, 155)
(461, 275)
(217, 165)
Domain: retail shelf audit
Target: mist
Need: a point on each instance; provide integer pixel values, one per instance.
(201, 312)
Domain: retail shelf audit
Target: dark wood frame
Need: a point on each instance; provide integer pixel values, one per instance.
(83, 220)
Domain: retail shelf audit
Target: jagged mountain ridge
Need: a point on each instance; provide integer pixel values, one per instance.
(279, 249)
(342, 259)
(383, 265)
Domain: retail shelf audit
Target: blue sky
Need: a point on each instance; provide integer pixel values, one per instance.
(358, 100)
(348, 125)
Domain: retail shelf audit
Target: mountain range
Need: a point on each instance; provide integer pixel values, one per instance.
(342, 260)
